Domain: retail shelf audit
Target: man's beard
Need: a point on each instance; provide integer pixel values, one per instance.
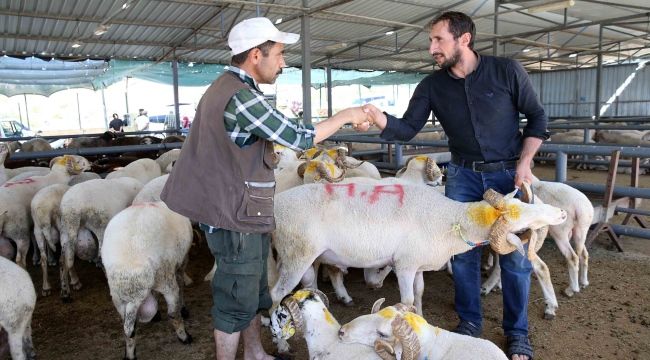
(451, 61)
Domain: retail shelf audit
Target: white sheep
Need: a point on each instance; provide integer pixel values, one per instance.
(421, 170)
(35, 144)
(399, 327)
(16, 198)
(90, 205)
(145, 251)
(84, 176)
(17, 301)
(580, 214)
(410, 227)
(306, 313)
(167, 158)
(143, 170)
(286, 157)
(151, 191)
(338, 155)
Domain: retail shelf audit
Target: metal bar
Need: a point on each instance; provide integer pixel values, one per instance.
(93, 151)
(560, 167)
(306, 66)
(619, 191)
(495, 42)
(633, 211)
(27, 110)
(104, 106)
(329, 91)
(599, 72)
(631, 231)
(177, 122)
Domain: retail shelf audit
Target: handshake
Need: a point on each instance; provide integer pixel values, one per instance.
(364, 116)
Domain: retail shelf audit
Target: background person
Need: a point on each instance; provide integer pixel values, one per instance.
(116, 125)
(224, 178)
(477, 99)
(142, 121)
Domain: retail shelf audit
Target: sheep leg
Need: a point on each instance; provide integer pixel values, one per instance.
(43, 248)
(375, 277)
(173, 298)
(28, 345)
(290, 276)
(490, 261)
(418, 289)
(15, 339)
(51, 241)
(544, 278)
(181, 275)
(130, 317)
(562, 242)
(579, 237)
(405, 280)
(36, 255)
(22, 246)
(494, 279)
(308, 279)
(336, 277)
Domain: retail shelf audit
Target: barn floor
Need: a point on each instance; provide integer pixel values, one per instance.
(608, 320)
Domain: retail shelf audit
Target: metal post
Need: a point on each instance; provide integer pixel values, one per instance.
(560, 166)
(126, 97)
(105, 112)
(79, 112)
(599, 70)
(20, 113)
(306, 66)
(495, 51)
(330, 110)
(26, 110)
(398, 156)
(177, 123)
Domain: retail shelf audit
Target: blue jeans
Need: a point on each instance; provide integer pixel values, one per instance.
(466, 185)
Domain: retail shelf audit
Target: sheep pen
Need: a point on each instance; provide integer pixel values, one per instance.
(609, 319)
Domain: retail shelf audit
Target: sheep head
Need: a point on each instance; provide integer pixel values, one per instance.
(316, 170)
(513, 215)
(74, 164)
(386, 329)
(287, 319)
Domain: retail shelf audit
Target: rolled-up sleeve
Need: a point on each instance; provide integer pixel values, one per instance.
(256, 116)
(528, 103)
(414, 118)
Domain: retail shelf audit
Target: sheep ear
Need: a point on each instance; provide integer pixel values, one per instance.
(377, 305)
(510, 195)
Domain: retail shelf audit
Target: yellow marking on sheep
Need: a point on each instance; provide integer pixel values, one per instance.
(422, 158)
(416, 322)
(513, 212)
(301, 295)
(309, 153)
(332, 153)
(387, 313)
(328, 317)
(482, 214)
(278, 147)
(63, 160)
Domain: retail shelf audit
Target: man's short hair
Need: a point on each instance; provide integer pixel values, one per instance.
(240, 58)
(459, 23)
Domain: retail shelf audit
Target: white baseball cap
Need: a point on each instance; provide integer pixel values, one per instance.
(256, 31)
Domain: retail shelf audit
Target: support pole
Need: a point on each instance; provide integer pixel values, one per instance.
(79, 112)
(306, 66)
(495, 42)
(105, 112)
(330, 110)
(599, 72)
(560, 167)
(27, 110)
(177, 123)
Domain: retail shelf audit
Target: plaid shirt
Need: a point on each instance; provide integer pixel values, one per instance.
(249, 116)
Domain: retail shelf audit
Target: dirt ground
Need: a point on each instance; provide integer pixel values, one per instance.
(608, 320)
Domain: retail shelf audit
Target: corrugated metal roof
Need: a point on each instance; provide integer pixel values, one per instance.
(351, 34)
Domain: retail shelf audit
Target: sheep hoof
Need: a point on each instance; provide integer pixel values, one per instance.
(66, 299)
(569, 292)
(188, 339)
(185, 313)
(76, 286)
(46, 292)
(349, 303)
(157, 317)
(484, 291)
(549, 316)
(52, 263)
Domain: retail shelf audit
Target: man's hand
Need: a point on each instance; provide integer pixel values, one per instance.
(377, 117)
(524, 173)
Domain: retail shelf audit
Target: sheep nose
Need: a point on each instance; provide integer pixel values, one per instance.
(564, 215)
(341, 333)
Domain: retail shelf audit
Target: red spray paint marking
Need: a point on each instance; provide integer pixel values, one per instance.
(24, 181)
(377, 192)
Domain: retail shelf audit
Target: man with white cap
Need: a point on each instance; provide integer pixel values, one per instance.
(224, 178)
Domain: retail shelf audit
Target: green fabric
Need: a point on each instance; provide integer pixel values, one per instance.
(248, 117)
(240, 283)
